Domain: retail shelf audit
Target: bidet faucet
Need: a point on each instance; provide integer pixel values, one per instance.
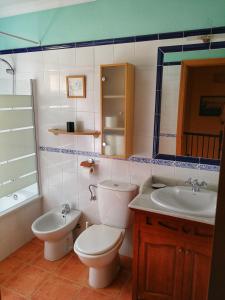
(195, 184)
(65, 209)
(93, 196)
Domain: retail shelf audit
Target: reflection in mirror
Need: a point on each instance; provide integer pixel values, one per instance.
(193, 104)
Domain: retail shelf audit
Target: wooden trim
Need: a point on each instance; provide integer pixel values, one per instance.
(216, 283)
(181, 107)
(205, 62)
(84, 85)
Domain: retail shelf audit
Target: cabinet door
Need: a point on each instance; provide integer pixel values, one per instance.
(113, 109)
(196, 273)
(160, 268)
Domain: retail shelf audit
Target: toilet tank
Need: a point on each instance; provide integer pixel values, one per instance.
(113, 200)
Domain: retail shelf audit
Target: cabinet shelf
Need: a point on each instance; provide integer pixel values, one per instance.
(85, 132)
(113, 96)
(116, 129)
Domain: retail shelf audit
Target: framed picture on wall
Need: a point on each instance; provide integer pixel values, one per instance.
(211, 106)
(76, 86)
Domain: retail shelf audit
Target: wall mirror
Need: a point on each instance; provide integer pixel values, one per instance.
(190, 103)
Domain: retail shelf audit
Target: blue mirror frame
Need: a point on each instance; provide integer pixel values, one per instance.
(160, 63)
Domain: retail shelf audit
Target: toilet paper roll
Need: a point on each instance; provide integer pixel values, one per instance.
(110, 140)
(119, 144)
(111, 121)
(87, 172)
(109, 150)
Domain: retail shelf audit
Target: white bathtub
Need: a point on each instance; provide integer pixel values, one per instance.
(18, 198)
(16, 218)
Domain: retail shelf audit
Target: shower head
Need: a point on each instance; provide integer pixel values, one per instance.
(10, 70)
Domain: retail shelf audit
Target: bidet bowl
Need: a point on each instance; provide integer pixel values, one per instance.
(56, 230)
(54, 225)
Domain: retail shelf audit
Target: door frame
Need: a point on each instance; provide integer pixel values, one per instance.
(186, 67)
(217, 276)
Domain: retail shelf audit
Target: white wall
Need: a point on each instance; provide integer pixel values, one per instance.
(62, 177)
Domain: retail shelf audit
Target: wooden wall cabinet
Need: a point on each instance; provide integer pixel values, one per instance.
(171, 258)
(117, 102)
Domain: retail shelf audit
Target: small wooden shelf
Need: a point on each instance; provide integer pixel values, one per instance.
(113, 96)
(86, 132)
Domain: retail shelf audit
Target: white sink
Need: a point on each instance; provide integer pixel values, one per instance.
(181, 199)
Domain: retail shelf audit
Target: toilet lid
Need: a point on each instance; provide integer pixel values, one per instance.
(98, 239)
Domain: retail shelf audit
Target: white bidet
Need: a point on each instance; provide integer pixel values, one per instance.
(55, 229)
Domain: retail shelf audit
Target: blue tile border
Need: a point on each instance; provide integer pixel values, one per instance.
(172, 63)
(167, 160)
(120, 40)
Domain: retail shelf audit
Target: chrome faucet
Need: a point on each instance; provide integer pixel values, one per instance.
(93, 196)
(65, 209)
(195, 184)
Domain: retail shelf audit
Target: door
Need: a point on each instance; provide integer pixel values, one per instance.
(160, 267)
(197, 259)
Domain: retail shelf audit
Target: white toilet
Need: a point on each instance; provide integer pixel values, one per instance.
(55, 229)
(98, 245)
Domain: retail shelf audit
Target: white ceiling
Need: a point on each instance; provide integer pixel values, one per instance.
(17, 7)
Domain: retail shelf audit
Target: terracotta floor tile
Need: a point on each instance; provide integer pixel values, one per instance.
(117, 285)
(126, 291)
(28, 252)
(26, 275)
(37, 241)
(8, 267)
(50, 266)
(92, 294)
(56, 289)
(126, 262)
(73, 269)
(26, 281)
(10, 295)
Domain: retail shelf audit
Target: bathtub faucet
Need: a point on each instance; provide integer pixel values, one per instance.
(65, 208)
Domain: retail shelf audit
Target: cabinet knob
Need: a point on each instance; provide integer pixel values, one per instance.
(103, 79)
(180, 250)
(187, 252)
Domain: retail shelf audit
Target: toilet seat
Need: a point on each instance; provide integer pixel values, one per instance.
(98, 239)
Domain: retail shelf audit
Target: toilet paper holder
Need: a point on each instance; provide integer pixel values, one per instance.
(90, 163)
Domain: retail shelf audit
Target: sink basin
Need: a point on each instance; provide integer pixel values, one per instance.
(181, 199)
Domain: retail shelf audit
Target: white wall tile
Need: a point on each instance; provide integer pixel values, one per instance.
(140, 172)
(120, 170)
(124, 53)
(67, 58)
(104, 55)
(146, 53)
(85, 56)
(51, 60)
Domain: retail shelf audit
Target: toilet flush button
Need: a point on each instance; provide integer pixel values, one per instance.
(115, 184)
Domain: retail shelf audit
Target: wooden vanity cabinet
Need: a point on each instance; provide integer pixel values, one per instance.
(171, 258)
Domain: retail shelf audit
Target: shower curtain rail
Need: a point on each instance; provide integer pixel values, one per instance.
(19, 38)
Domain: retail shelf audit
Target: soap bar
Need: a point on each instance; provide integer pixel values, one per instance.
(158, 185)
